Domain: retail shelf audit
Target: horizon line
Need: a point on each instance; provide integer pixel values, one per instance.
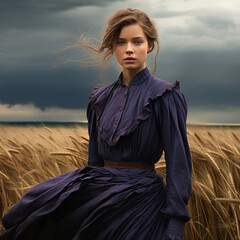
(85, 122)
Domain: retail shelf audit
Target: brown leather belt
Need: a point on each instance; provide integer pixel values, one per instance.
(129, 165)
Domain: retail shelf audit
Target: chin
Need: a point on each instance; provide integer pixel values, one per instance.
(131, 67)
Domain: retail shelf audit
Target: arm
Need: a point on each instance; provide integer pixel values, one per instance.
(94, 159)
(173, 114)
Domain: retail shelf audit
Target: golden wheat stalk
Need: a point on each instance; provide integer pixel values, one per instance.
(30, 155)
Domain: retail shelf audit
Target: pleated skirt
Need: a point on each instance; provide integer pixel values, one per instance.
(92, 203)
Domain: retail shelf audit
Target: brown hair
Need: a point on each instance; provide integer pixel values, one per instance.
(116, 22)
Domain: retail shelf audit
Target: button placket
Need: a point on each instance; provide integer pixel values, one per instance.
(119, 114)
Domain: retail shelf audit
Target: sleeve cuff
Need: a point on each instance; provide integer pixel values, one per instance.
(176, 226)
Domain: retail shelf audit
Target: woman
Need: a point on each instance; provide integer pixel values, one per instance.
(130, 121)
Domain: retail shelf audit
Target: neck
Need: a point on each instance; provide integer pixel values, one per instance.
(128, 75)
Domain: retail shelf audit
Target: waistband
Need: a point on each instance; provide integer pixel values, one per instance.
(129, 165)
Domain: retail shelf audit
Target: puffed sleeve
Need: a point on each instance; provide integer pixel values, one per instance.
(94, 159)
(172, 117)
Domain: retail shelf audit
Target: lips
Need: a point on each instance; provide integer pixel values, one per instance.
(129, 58)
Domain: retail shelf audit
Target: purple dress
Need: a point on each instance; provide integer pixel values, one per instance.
(134, 123)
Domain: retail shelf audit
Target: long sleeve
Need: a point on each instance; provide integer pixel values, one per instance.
(94, 159)
(173, 114)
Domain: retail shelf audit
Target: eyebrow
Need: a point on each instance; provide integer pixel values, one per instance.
(133, 38)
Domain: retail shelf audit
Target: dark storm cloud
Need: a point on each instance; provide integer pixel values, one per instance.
(199, 47)
(63, 87)
(30, 32)
(209, 78)
(30, 14)
(48, 6)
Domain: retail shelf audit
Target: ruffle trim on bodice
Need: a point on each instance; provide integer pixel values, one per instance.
(145, 112)
(153, 88)
(99, 96)
(152, 94)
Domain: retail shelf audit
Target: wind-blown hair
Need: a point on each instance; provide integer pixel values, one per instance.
(116, 22)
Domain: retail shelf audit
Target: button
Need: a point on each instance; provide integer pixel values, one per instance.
(121, 109)
(116, 122)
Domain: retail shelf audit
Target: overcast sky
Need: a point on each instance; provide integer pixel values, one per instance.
(199, 46)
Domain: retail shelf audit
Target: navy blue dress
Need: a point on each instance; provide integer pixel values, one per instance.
(134, 123)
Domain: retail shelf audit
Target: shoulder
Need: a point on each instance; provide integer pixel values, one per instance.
(98, 97)
(158, 83)
(98, 94)
(156, 88)
(99, 91)
(167, 94)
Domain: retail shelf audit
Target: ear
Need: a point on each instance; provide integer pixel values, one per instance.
(150, 47)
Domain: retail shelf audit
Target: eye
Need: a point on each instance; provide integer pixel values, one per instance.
(137, 42)
(120, 42)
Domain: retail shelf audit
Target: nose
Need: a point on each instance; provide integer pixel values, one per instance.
(129, 48)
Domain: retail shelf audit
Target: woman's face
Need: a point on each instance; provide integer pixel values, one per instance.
(132, 48)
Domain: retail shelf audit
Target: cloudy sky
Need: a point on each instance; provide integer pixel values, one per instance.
(200, 47)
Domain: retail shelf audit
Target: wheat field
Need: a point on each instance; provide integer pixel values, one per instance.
(32, 154)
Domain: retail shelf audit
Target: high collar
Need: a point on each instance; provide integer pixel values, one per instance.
(137, 79)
